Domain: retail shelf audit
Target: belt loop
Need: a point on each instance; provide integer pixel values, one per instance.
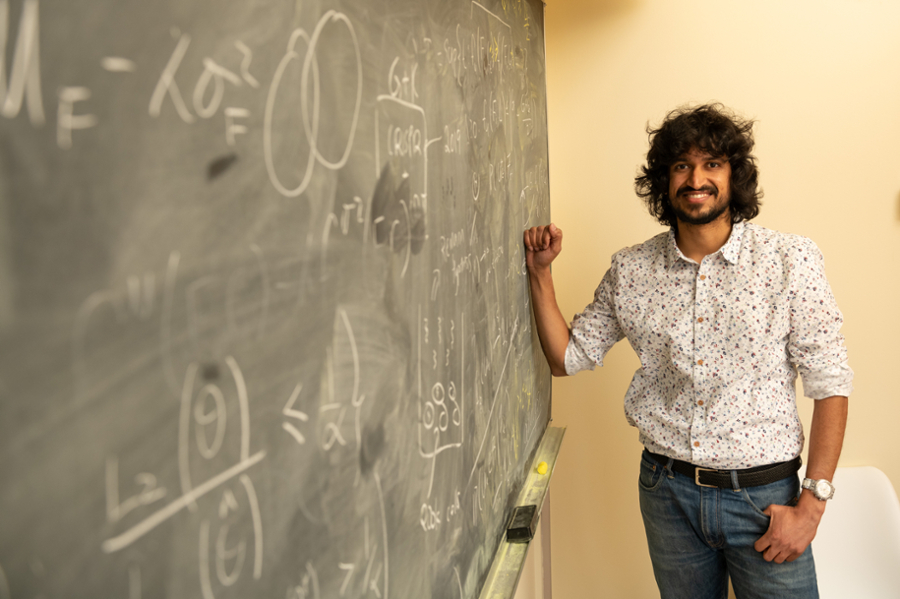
(735, 485)
(668, 467)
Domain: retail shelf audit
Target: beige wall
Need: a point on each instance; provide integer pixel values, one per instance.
(823, 79)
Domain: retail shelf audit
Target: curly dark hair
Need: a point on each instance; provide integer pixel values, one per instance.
(710, 128)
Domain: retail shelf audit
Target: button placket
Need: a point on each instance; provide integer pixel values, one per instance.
(699, 301)
(698, 426)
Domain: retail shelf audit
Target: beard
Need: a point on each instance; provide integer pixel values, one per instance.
(702, 218)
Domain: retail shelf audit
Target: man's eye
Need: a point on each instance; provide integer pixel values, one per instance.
(714, 165)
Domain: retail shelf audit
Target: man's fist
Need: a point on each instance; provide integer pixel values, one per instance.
(542, 245)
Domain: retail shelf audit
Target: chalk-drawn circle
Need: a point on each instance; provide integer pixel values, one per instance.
(207, 76)
(290, 55)
(444, 418)
(428, 415)
(204, 419)
(457, 413)
(310, 60)
(438, 395)
(223, 554)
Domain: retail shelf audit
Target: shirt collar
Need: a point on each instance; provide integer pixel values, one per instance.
(729, 251)
(732, 248)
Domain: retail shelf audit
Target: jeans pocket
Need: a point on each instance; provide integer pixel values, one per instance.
(782, 492)
(651, 473)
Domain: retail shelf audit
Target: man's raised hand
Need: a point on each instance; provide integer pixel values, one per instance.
(542, 245)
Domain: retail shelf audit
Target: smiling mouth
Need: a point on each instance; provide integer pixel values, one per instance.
(697, 196)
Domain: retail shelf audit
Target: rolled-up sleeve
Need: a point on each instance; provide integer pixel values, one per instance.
(816, 345)
(596, 329)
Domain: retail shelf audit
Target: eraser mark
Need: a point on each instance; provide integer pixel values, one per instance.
(220, 165)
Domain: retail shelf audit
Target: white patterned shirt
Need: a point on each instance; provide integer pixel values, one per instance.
(720, 344)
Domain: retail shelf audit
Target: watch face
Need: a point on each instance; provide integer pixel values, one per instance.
(823, 488)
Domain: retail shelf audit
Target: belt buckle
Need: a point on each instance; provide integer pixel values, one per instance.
(697, 470)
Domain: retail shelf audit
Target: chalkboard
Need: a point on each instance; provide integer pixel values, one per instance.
(264, 314)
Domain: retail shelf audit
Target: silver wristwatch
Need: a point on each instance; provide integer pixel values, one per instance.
(822, 489)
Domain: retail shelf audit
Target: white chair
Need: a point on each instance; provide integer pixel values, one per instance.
(857, 547)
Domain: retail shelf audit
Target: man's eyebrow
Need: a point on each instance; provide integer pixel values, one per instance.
(714, 154)
(706, 156)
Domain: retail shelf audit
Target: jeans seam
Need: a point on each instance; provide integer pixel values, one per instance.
(749, 500)
(655, 485)
(718, 513)
(659, 476)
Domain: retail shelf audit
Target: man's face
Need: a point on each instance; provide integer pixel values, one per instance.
(700, 187)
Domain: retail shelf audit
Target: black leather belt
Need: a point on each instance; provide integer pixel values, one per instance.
(748, 477)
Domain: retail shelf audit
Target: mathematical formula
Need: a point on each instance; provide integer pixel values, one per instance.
(330, 411)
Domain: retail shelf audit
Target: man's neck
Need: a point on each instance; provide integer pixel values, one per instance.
(698, 241)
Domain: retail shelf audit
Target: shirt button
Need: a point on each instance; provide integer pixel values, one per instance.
(700, 319)
(700, 403)
(702, 277)
(700, 362)
(696, 443)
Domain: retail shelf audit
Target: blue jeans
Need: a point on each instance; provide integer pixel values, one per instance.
(699, 536)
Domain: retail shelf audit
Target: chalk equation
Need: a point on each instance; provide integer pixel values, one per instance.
(272, 285)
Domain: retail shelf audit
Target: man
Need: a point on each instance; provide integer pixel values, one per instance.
(723, 315)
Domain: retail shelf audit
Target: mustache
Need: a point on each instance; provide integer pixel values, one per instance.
(710, 189)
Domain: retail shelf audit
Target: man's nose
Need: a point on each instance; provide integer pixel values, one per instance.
(696, 178)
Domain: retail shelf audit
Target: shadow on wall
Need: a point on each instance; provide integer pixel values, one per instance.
(898, 207)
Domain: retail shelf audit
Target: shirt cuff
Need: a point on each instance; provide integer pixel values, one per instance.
(836, 381)
(576, 359)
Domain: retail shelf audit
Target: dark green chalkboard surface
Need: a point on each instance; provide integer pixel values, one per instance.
(264, 319)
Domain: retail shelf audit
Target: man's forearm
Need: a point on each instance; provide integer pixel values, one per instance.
(552, 328)
(826, 438)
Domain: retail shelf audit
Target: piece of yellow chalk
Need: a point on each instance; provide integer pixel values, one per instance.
(542, 468)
